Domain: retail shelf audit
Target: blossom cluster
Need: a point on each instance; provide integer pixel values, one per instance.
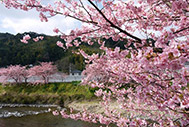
(149, 72)
(27, 37)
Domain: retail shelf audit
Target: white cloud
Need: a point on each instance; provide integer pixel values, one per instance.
(35, 25)
(18, 21)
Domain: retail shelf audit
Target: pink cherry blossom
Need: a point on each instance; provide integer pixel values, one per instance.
(56, 30)
(55, 113)
(41, 37)
(25, 39)
(36, 39)
(60, 44)
(148, 71)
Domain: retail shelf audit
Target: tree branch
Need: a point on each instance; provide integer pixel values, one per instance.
(113, 25)
(181, 30)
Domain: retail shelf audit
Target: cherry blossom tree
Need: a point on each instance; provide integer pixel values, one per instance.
(25, 74)
(15, 72)
(2, 75)
(149, 72)
(44, 71)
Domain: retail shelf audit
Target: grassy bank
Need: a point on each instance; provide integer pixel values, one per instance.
(52, 93)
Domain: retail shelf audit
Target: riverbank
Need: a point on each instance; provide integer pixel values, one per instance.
(97, 108)
(52, 93)
(92, 106)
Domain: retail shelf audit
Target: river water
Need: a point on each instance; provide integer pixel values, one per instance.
(35, 116)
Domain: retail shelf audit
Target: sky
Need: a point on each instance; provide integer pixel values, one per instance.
(18, 21)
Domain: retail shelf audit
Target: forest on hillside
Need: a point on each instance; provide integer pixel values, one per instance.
(14, 52)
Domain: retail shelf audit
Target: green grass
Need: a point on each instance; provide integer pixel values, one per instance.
(52, 93)
(1, 89)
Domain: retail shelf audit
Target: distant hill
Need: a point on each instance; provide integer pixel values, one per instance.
(13, 52)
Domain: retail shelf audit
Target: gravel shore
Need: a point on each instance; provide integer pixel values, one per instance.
(96, 107)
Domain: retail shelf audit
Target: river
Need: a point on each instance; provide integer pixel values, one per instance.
(35, 116)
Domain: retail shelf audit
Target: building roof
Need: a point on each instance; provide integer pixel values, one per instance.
(75, 71)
